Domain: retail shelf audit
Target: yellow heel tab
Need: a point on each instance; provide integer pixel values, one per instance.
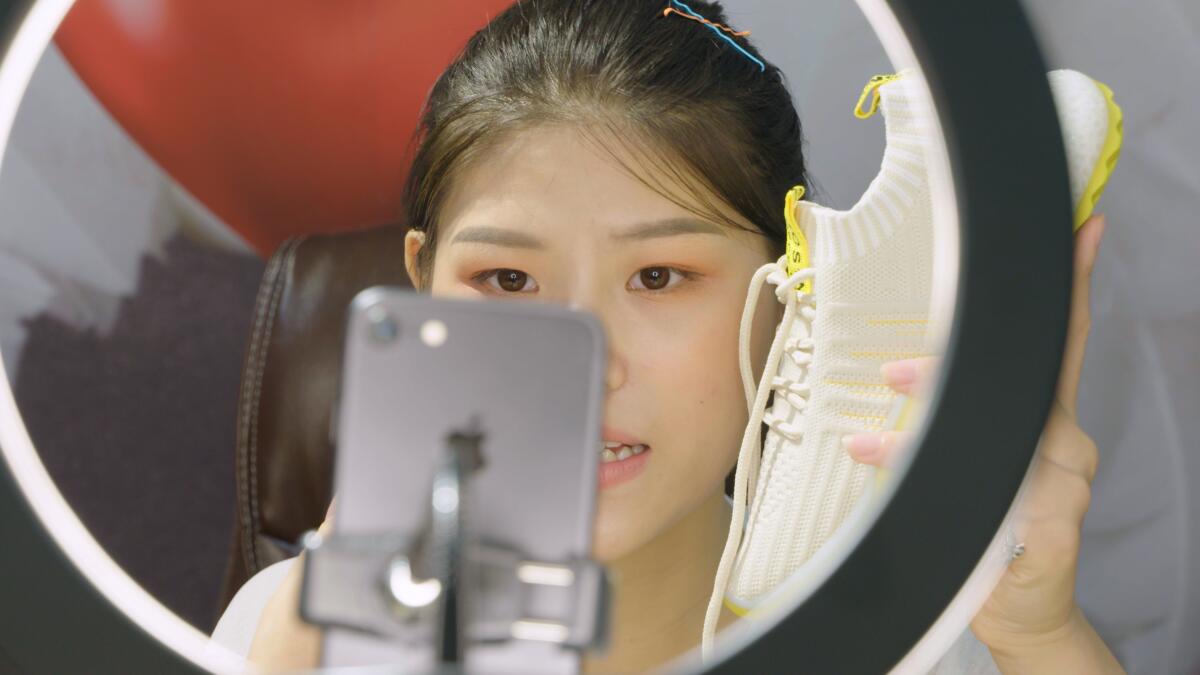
(872, 90)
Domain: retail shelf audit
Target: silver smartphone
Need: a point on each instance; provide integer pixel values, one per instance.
(529, 378)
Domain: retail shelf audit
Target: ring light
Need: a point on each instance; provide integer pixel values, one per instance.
(66, 606)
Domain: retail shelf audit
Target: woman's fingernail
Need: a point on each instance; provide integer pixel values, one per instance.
(899, 372)
(862, 447)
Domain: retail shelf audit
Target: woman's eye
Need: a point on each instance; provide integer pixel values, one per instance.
(657, 278)
(507, 281)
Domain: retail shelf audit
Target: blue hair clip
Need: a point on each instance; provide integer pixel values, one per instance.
(688, 12)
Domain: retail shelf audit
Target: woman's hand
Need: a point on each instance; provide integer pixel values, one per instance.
(1030, 622)
(284, 643)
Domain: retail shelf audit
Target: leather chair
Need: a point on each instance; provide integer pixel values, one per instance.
(290, 379)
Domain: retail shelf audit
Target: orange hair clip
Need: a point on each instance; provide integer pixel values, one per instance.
(669, 10)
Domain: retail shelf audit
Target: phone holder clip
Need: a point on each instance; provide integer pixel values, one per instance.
(446, 588)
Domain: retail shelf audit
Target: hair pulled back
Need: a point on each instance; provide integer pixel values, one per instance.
(672, 93)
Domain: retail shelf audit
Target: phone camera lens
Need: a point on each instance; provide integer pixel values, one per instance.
(383, 326)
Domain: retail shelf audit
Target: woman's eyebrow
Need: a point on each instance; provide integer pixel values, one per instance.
(669, 228)
(497, 237)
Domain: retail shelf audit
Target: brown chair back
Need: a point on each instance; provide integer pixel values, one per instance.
(290, 380)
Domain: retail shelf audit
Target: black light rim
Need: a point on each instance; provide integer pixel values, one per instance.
(1001, 367)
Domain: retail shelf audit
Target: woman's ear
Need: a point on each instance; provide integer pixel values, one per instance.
(413, 241)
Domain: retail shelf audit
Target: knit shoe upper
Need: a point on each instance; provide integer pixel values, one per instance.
(870, 287)
(856, 289)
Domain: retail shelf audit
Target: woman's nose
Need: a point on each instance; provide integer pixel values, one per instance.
(615, 375)
(616, 371)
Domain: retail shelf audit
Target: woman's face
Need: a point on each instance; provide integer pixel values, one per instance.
(549, 217)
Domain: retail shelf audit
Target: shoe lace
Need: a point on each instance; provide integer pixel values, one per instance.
(798, 307)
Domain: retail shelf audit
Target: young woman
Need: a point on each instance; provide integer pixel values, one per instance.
(607, 156)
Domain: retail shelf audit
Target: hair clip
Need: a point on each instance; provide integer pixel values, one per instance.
(676, 7)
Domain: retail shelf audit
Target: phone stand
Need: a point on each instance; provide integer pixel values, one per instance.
(443, 587)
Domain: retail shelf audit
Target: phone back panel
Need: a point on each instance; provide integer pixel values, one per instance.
(530, 375)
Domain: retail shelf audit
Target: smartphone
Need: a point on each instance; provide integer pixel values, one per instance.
(529, 378)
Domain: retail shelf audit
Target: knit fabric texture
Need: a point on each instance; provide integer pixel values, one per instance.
(871, 289)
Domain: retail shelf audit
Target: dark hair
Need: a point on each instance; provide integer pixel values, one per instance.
(668, 89)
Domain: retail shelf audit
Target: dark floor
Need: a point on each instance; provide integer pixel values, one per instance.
(137, 426)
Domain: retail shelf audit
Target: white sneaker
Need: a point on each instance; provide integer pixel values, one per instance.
(856, 288)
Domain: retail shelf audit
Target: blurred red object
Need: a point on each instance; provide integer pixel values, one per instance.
(283, 117)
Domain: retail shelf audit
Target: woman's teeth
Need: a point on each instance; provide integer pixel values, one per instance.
(613, 452)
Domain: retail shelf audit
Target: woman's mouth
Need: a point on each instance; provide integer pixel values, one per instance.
(620, 462)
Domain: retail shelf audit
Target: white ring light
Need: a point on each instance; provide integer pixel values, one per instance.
(47, 503)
